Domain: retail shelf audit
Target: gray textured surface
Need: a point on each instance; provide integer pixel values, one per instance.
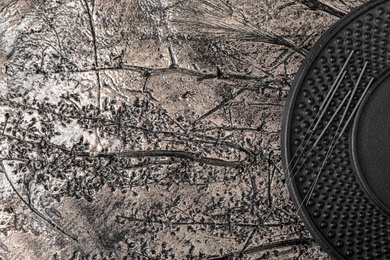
(150, 129)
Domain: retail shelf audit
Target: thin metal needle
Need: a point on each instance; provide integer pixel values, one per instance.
(335, 85)
(323, 113)
(357, 84)
(325, 129)
(357, 106)
(350, 100)
(335, 140)
(328, 103)
(332, 89)
(311, 131)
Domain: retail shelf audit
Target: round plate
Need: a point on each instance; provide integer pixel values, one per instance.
(336, 136)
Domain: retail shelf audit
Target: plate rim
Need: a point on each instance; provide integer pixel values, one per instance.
(287, 115)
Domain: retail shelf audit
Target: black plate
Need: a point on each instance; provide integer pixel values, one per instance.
(336, 136)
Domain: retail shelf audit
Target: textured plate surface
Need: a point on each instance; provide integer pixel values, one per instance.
(337, 163)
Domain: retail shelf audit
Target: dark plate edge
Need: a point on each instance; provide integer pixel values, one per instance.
(285, 130)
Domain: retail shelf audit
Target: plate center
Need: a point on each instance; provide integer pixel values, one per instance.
(373, 143)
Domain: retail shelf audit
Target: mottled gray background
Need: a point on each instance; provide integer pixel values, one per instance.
(149, 129)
